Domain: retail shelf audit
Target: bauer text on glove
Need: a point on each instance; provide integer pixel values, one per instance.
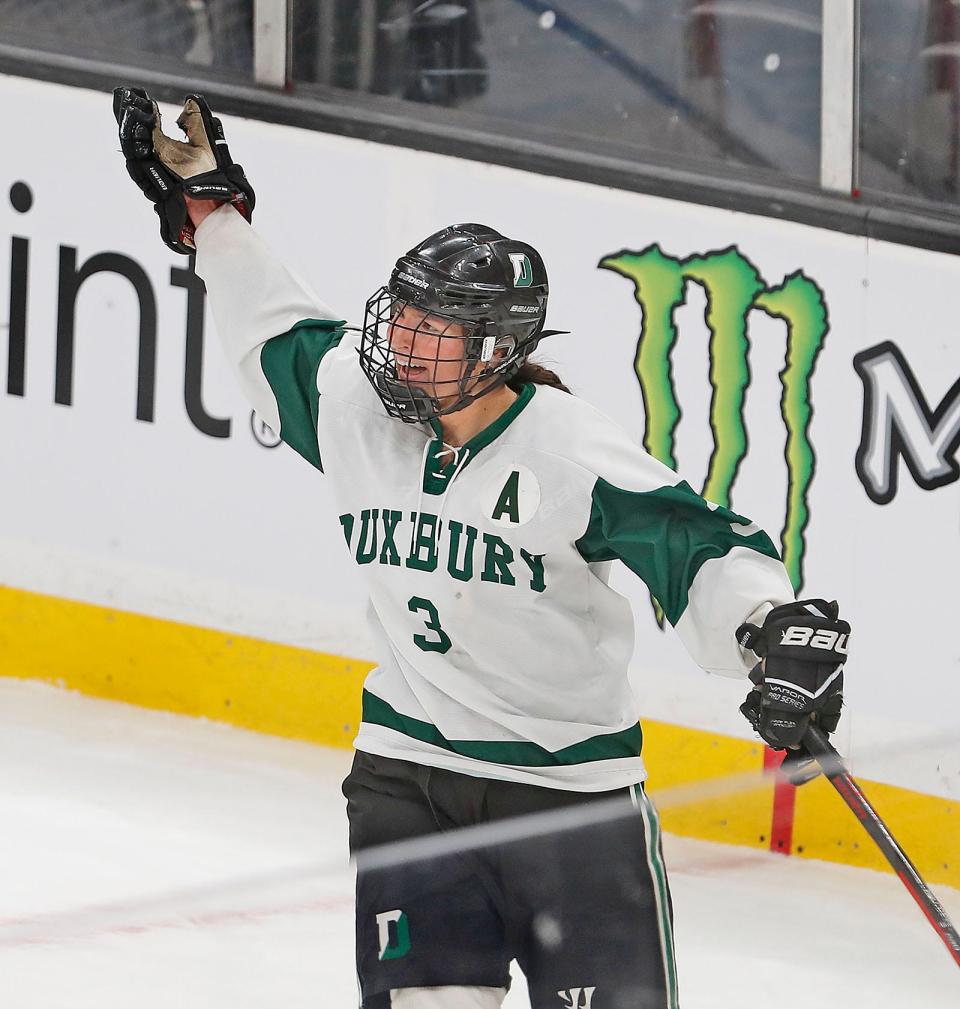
(803, 646)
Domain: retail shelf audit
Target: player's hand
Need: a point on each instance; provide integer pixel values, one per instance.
(170, 171)
(803, 646)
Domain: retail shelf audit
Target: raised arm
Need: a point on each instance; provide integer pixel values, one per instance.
(274, 332)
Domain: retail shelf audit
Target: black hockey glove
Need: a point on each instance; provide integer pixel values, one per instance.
(166, 169)
(803, 647)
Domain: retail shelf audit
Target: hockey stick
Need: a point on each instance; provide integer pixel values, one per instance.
(832, 766)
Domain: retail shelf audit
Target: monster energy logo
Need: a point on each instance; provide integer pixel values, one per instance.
(733, 287)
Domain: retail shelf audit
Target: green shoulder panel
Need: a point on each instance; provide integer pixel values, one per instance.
(665, 536)
(289, 363)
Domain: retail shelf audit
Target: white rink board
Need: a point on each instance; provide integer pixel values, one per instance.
(160, 518)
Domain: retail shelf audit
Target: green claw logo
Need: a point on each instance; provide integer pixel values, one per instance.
(733, 287)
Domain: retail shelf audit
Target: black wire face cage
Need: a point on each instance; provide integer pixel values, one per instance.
(411, 356)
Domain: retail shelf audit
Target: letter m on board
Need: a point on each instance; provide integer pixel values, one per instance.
(898, 422)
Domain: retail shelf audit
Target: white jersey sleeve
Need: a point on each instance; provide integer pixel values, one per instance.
(273, 330)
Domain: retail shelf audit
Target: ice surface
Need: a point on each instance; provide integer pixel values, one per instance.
(154, 861)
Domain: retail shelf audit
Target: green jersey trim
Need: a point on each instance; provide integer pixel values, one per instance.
(435, 476)
(665, 537)
(289, 364)
(610, 746)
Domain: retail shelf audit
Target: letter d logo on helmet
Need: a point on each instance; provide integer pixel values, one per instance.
(522, 270)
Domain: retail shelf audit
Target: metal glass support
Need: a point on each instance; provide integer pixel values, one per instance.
(366, 44)
(839, 73)
(270, 37)
(326, 40)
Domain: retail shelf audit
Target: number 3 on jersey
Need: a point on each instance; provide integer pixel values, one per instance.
(441, 643)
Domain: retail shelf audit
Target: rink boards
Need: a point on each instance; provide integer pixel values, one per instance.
(156, 547)
(309, 695)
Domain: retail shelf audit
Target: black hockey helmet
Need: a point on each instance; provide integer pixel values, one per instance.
(491, 288)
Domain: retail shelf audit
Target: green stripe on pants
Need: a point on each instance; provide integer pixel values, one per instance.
(658, 872)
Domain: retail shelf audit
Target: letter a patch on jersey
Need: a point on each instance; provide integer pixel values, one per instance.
(509, 501)
(513, 497)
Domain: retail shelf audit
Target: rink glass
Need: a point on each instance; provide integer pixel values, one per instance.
(186, 35)
(910, 98)
(710, 86)
(671, 80)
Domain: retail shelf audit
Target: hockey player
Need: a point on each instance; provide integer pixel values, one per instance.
(484, 504)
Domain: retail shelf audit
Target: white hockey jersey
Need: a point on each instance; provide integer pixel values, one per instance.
(502, 650)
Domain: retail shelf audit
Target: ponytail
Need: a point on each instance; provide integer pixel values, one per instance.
(536, 374)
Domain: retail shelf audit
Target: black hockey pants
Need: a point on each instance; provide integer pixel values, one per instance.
(585, 909)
